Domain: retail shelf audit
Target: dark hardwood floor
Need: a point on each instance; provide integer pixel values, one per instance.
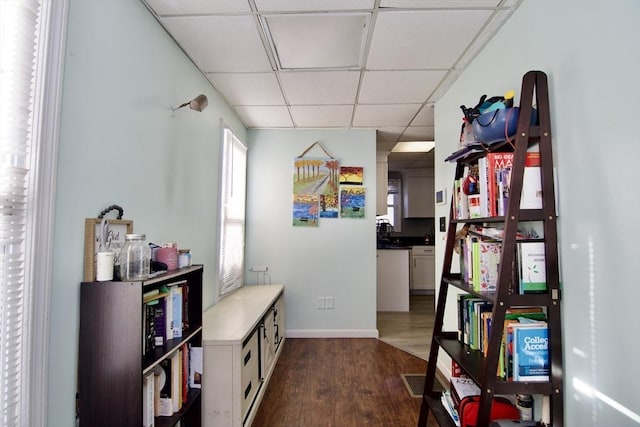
(340, 382)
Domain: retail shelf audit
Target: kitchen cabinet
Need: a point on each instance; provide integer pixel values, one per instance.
(419, 195)
(423, 270)
(382, 172)
(392, 280)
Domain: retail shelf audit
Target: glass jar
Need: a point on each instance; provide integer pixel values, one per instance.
(184, 258)
(135, 257)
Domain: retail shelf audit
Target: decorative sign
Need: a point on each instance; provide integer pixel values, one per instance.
(115, 231)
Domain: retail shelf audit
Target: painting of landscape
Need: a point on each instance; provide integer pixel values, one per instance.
(352, 201)
(351, 175)
(319, 177)
(305, 210)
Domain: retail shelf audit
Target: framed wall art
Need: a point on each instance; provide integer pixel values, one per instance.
(115, 230)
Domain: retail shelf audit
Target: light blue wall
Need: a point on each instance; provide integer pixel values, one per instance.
(337, 258)
(589, 51)
(119, 144)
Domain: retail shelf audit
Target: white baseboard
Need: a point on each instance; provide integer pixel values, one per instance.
(331, 333)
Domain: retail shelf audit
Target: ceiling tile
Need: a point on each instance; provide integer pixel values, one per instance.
(311, 5)
(265, 117)
(424, 117)
(322, 115)
(207, 40)
(446, 4)
(313, 41)
(384, 115)
(320, 87)
(248, 88)
(398, 86)
(423, 39)
(418, 133)
(189, 7)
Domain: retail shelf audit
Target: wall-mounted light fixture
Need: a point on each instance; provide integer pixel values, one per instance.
(198, 103)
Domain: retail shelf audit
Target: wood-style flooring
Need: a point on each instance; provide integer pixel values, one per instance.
(411, 331)
(341, 382)
(348, 382)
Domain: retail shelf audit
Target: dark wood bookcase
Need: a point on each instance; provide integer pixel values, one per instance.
(111, 361)
(482, 369)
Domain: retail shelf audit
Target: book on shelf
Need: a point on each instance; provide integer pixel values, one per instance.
(176, 319)
(531, 182)
(488, 262)
(159, 321)
(195, 367)
(148, 400)
(498, 169)
(462, 387)
(148, 340)
(176, 381)
(531, 267)
(531, 352)
(165, 402)
(447, 403)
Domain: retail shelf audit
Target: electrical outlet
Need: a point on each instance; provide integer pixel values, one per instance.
(321, 303)
(329, 303)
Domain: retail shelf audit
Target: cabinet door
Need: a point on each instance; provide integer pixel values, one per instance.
(418, 197)
(267, 343)
(424, 272)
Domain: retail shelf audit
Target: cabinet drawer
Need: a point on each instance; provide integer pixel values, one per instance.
(250, 375)
(423, 250)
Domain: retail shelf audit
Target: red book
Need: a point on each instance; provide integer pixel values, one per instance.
(497, 163)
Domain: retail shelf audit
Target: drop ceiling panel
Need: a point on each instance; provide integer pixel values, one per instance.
(384, 115)
(311, 5)
(220, 43)
(265, 117)
(248, 88)
(322, 115)
(318, 40)
(188, 7)
(320, 87)
(379, 64)
(423, 39)
(398, 86)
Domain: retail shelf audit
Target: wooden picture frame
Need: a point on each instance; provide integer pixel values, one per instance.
(116, 230)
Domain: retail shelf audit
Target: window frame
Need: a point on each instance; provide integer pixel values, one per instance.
(232, 212)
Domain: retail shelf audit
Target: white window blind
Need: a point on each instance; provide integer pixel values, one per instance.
(232, 216)
(19, 44)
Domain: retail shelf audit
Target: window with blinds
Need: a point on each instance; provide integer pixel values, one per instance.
(232, 215)
(19, 29)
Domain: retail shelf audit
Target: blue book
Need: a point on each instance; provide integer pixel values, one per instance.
(531, 352)
(176, 320)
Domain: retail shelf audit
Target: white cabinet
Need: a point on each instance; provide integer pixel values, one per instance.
(382, 172)
(242, 337)
(393, 280)
(423, 269)
(418, 198)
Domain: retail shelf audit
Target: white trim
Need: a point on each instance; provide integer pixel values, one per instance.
(39, 267)
(331, 333)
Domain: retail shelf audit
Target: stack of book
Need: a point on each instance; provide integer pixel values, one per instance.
(166, 315)
(166, 386)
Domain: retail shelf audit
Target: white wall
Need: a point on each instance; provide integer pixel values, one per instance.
(589, 51)
(337, 258)
(119, 144)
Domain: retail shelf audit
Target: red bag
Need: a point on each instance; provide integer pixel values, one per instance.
(501, 409)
